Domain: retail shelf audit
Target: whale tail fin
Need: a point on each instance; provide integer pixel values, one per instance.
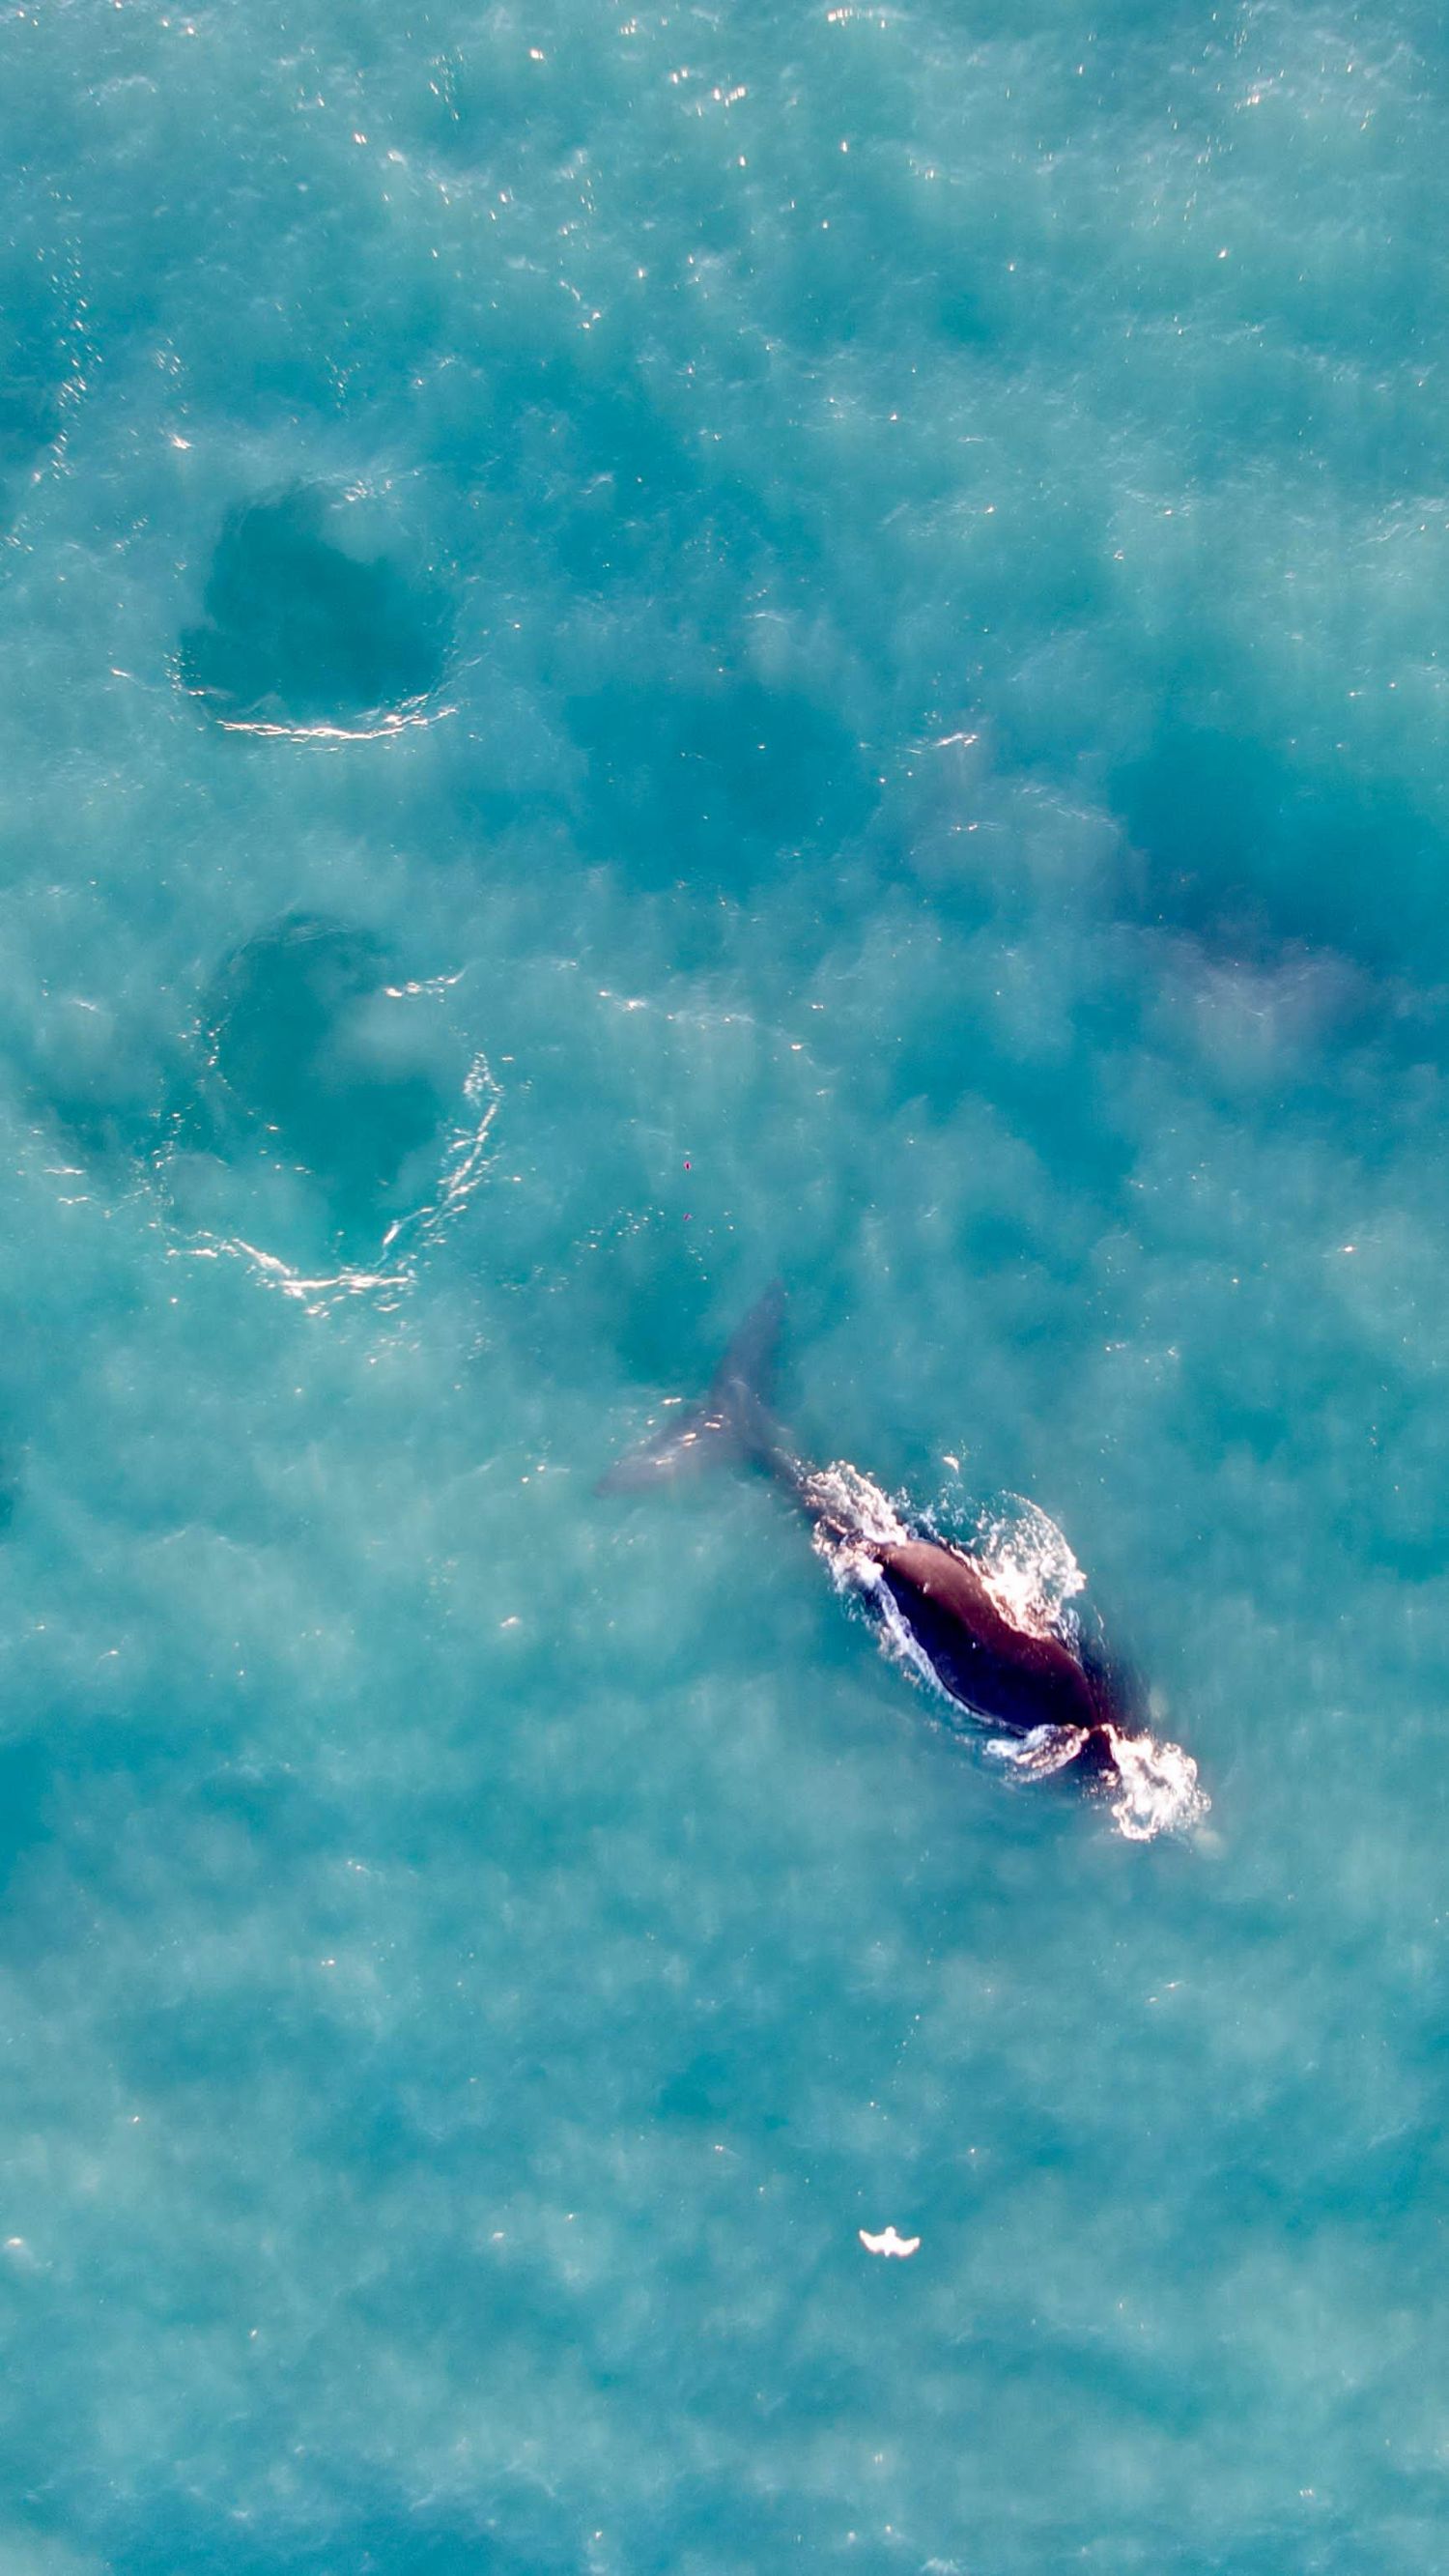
(733, 1421)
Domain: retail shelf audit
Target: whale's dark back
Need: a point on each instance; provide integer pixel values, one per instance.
(1012, 1676)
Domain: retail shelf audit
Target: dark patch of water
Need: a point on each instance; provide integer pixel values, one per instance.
(361, 2538)
(710, 783)
(1244, 847)
(297, 630)
(295, 1053)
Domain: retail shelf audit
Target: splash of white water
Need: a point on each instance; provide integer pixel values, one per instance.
(853, 1509)
(1029, 1569)
(1158, 1790)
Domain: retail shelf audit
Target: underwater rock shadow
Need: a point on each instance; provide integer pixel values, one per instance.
(298, 634)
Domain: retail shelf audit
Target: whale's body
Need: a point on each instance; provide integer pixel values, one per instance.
(1037, 1681)
(1015, 1677)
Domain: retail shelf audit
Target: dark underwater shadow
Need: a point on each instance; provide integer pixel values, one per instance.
(711, 784)
(604, 470)
(285, 1046)
(177, 2531)
(318, 1090)
(1243, 847)
(302, 1077)
(297, 631)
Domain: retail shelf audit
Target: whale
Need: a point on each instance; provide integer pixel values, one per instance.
(1059, 1701)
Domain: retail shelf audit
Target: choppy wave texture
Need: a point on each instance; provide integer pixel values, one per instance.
(1034, 1578)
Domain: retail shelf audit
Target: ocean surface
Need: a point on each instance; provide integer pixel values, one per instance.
(642, 653)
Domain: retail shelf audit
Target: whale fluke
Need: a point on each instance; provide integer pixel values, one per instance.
(733, 1421)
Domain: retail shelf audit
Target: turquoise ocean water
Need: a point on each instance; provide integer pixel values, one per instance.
(641, 652)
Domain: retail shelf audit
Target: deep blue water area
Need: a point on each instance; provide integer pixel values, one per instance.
(639, 654)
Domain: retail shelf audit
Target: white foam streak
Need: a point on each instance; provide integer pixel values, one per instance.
(401, 720)
(467, 1161)
(317, 1293)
